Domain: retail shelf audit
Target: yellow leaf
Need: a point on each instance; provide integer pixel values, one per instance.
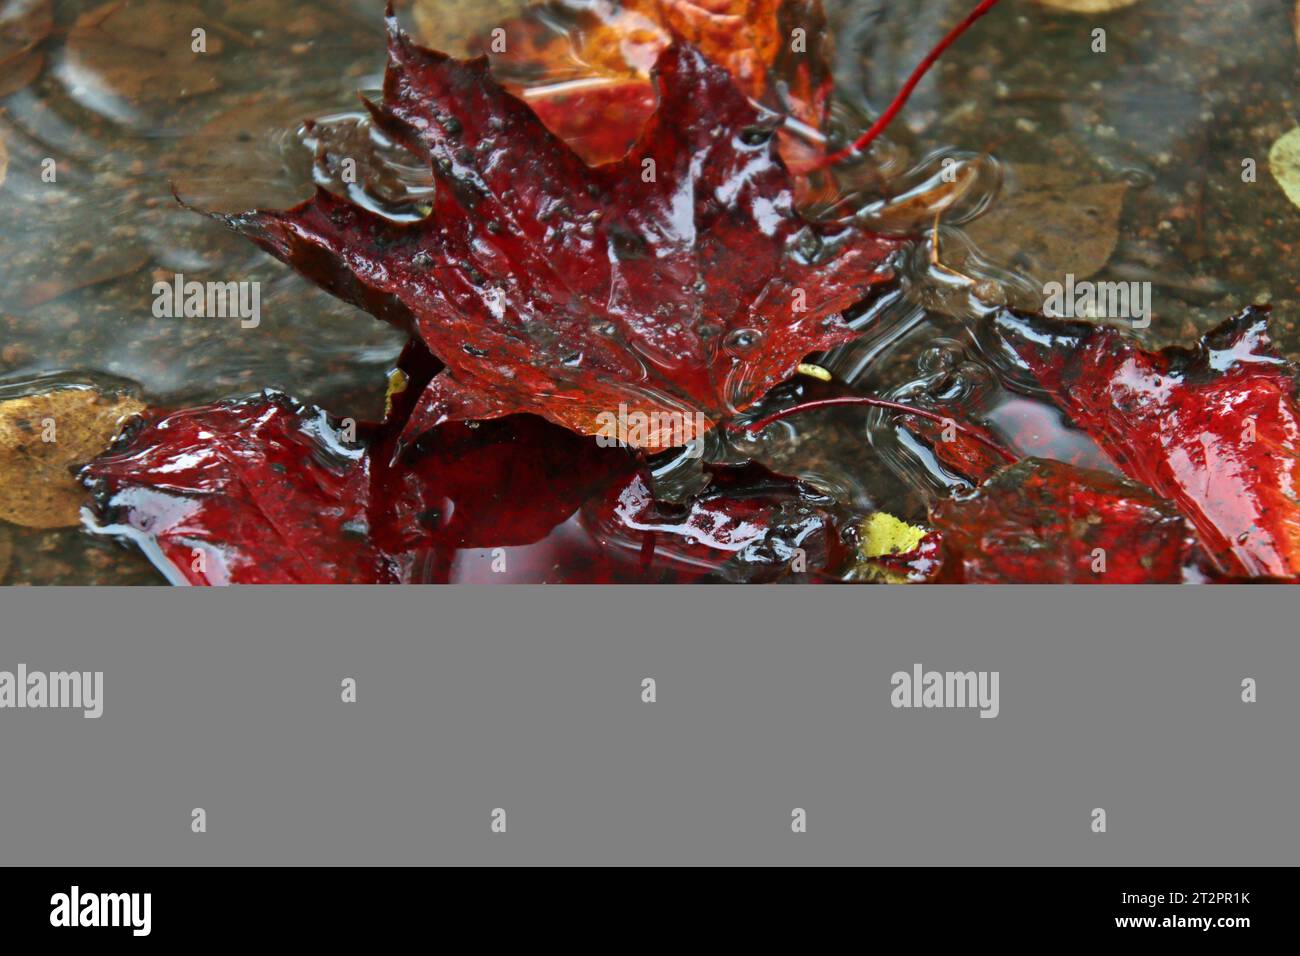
(1086, 6)
(813, 371)
(879, 536)
(884, 534)
(1284, 164)
(397, 382)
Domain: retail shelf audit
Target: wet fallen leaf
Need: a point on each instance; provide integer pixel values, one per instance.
(302, 21)
(115, 261)
(748, 524)
(247, 156)
(585, 67)
(266, 491)
(458, 26)
(1049, 230)
(1086, 6)
(959, 453)
(883, 534)
(891, 551)
(353, 159)
(913, 206)
(24, 25)
(141, 53)
(4, 159)
(500, 483)
(1214, 428)
(41, 437)
(1046, 522)
(1284, 164)
(256, 491)
(679, 283)
(20, 70)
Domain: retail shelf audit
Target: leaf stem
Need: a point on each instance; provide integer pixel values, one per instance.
(943, 420)
(896, 104)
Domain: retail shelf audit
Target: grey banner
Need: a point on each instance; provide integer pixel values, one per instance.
(768, 701)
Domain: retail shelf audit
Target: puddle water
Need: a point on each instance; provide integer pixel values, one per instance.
(1123, 165)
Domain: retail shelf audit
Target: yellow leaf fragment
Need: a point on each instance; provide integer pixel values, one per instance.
(397, 382)
(1086, 6)
(884, 534)
(1284, 164)
(881, 536)
(813, 371)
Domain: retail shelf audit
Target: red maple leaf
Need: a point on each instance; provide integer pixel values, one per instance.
(267, 491)
(676, 285)
(1215, 428)
(1047, 522)
(258, 491)
(584, 67)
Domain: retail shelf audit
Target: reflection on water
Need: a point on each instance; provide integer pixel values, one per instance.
(105, 108)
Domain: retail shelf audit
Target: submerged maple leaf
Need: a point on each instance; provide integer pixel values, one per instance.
(1038, 521)
(1214, 428)
(1046, 522)
(584, 67)
(266, 491)
(259, 491)
(675, 286)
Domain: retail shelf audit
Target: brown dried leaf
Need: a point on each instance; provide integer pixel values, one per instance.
(245, 157)
(24, 25)
(20, 71)
(119, 259)
(258, 154)
(37, 488)
(455, 26)
(1048, 230)
(141, 50)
